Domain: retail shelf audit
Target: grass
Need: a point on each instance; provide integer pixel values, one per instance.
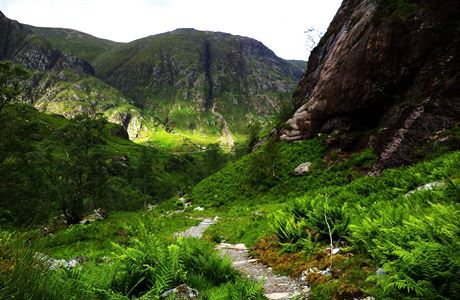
(371, 219)
(118, 252)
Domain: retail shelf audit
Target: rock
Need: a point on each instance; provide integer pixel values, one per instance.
(54, 264)
(326, 272)
(244, 262)
(150, 207)
(98, 214)
(358, 66)
(274, 296)
(302, 169)
(182, 291)
(333, 251)
(427, 187)
(241, 247)
(121, 160)
(380, 271)
(199, 208)
(46, 230)
(131, 120)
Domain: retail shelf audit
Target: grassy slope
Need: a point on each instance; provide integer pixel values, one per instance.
(72, 41)
(371, 219)
(302, 64)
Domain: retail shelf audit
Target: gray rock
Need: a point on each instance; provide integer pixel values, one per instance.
(302, 169)
(182, 291)
(54, 264)
(98, 214)
(275, 296)
(326, 272)
(427, 187)
(380, 271)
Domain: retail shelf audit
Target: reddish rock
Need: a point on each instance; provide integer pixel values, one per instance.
(390, 76)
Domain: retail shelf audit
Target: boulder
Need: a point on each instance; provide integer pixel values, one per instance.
(302, 169)
(426, 187)
(182, 291)
(98, 214)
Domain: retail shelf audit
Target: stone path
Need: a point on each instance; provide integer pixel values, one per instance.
(275, 287)
(198, 230)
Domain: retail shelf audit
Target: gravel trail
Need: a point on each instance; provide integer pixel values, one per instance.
(275, 287)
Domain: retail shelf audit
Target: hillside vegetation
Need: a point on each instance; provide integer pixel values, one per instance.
(52, 165)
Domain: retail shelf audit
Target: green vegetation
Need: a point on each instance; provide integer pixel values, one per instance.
(378, 222)
(52, 165)
(143, 261)
(78, 43)
(11, 78)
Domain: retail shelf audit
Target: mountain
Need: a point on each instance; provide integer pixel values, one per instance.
(80, 44)
(19, 44)
(190, 83)
(385, 75)
(204, 70)
(61, 82)
(302, 64)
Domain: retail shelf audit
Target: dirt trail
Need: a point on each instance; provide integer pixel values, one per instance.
(275, 286)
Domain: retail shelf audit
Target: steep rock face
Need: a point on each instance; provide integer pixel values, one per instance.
(19, 44)
(131, 120)
(386, 68)
(202, 67)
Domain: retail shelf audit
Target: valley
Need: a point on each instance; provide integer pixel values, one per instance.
(198, 164)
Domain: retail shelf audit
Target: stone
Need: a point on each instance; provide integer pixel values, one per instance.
(241, 247)
(244, 262)
(150, 207)
(182, 291)
(199, 208)
(98, 214)
(275, 296)
(326, 272)
(302, 169)
(358, 66)
(54, 264)
(380, 271)
(427, 187)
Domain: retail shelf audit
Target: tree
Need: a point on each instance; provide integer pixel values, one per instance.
(313, 37)
(145, 173)
(82, 175)
(11, 82)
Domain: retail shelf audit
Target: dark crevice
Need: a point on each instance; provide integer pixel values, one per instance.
(207, 68)
(126, 121)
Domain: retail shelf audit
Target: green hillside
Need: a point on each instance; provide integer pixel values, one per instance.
(80, 44)
(46, 158)
(400, 223)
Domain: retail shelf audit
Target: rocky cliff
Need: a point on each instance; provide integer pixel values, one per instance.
(21, 45)
(385, 75)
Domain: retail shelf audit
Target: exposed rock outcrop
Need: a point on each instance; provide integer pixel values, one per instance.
(19, 44)
(131, 120)
(389, 72)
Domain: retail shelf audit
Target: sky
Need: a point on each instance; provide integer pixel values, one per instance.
(279, 24)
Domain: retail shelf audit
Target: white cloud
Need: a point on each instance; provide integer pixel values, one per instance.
(278, 24)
